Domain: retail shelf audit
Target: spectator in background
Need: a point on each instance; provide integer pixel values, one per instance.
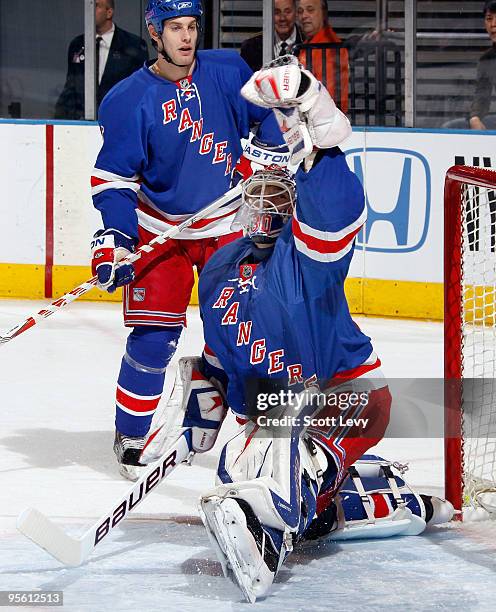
(118, 54)
(479, 117)
(313, 20)
(486, 77)
(286, 36)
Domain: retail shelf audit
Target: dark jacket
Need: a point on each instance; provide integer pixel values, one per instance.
(252, 50)
(126, 55)
(486, 82)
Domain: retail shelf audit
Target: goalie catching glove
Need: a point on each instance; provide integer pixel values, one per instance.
(304, 109)
(108, 248)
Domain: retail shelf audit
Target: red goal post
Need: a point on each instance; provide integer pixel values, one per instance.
(470, 339)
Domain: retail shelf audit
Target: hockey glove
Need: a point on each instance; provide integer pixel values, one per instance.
(197, 404)
(282, 83)
(108, 247)
(304, 109)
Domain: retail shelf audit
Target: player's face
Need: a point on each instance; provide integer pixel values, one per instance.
(310, 17)
(284, 18)
(179, 39)
(490, 23)
(274, 198)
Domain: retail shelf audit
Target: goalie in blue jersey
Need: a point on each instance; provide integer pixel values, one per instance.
(285, 355)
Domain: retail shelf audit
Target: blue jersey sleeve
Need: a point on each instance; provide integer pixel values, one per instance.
(115, 180)
(330, 212)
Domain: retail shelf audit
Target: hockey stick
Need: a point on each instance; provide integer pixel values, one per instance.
(228, 198)
(74, 551)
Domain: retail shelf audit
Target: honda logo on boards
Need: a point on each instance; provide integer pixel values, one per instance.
(398, 198)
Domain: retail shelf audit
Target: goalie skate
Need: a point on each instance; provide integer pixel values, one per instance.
(243, 549)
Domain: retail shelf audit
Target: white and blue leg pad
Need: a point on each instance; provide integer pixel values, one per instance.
(373, 502)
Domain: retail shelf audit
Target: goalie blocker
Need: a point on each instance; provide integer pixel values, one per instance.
(197, 403)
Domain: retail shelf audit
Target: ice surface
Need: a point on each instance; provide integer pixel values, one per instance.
(57, 387)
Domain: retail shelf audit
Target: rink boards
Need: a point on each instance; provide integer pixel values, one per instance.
(48, 218)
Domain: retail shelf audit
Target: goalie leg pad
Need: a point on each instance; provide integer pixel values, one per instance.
(373, 502)
(275, 476)
(265, 502)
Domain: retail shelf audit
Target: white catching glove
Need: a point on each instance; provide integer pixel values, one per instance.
(282, 83)
(304, 109)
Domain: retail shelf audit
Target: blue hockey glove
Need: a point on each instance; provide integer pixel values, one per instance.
(108, 247)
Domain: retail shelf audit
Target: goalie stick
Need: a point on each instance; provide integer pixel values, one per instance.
(228, 198)
(74, 551)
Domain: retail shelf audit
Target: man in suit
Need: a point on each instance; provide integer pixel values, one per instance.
(286, 35)
(118, 54)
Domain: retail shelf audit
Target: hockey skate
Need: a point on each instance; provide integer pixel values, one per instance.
(245, 550)
(128, 450)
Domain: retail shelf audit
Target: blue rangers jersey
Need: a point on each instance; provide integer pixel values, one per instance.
(169, 148)
(287, 317)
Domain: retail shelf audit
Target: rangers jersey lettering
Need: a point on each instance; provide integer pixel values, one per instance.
(286, 318)
(169, 148)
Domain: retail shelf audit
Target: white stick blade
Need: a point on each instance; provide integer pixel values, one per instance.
(43, 532)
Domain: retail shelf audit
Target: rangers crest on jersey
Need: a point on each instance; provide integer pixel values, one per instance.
(139, 294)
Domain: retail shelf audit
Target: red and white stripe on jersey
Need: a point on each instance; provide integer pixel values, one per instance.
(102, 180)
(326, 246)
(133, 316)
(373, 364)
(211, 359)
(161, 319)
(137, 405)
(154, 220)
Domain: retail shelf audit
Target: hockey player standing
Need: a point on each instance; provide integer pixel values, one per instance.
(279, 335)
(171, 134)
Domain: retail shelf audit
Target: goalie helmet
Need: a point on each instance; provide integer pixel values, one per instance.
(268, 202)
(157, 11)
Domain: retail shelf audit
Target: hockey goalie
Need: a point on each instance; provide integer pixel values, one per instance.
(286, 357)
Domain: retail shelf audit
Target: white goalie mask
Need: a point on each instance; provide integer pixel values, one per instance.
(268, 201)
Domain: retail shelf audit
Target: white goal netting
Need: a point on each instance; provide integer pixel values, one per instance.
(478, 347)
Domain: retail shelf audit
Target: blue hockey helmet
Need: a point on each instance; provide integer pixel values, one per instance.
(157, 11)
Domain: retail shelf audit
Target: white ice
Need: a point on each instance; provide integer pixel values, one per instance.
(57, 383)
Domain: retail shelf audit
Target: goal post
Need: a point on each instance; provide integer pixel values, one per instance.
(470, 339)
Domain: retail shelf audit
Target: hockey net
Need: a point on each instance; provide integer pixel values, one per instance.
(470, 340)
